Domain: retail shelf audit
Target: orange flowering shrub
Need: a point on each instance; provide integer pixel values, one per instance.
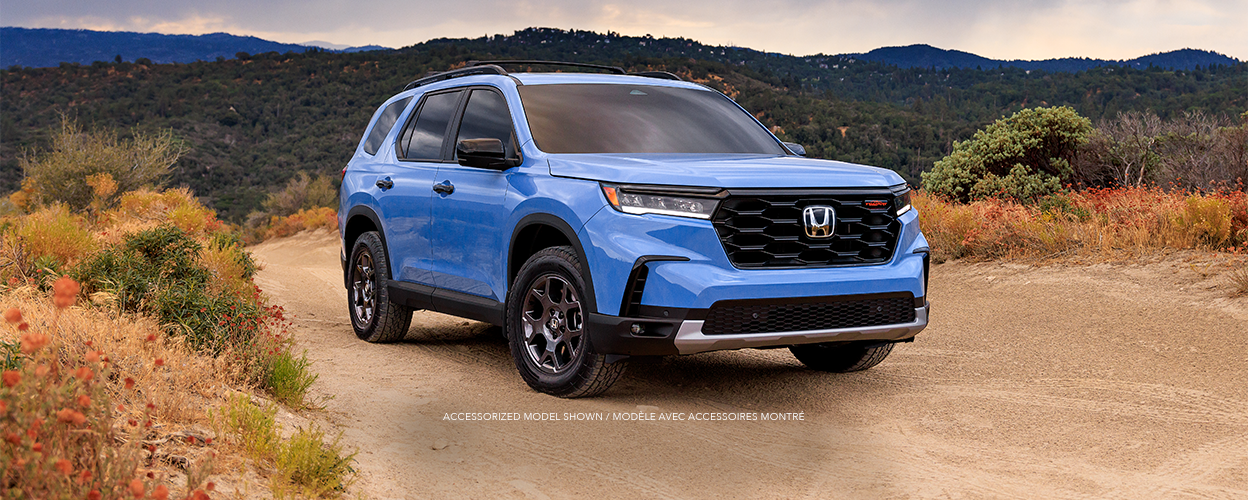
(1095, 222)
(313, 218)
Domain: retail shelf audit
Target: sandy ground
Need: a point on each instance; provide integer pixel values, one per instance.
(1104, 381)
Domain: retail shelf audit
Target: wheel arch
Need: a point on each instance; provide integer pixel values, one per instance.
(360, 219)
(538, 231)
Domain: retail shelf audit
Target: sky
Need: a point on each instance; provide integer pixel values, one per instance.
(998, 29)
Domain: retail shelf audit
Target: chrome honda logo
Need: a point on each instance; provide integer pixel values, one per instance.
(819, 220)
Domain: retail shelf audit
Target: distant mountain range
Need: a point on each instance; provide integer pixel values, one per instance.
(926, 56)
(39, 48)
(50, 47)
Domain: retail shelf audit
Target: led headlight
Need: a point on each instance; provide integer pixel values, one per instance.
(698, 203)
(902, 202)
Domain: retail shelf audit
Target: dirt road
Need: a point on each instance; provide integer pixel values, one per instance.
(1060, 382)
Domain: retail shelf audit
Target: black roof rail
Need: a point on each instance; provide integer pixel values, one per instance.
(493, 68)
(658, 74)
(614, 69)
(484, 69)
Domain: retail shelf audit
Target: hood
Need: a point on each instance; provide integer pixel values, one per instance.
(725, 171)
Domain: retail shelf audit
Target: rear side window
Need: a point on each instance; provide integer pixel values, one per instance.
(422, 140)
(486, 117)
(384, 123)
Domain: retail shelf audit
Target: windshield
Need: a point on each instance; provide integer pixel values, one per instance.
(612, 118)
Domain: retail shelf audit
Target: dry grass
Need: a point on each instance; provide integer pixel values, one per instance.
(96, 407)
(1106, 224)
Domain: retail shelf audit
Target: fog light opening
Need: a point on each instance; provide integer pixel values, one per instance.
(638, 329)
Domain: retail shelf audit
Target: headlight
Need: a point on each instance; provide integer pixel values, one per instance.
(902, 202)
(698, 203)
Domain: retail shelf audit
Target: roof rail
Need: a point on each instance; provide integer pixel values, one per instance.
(471, 69)
(658, 74)
(614, 69)
(493, 68)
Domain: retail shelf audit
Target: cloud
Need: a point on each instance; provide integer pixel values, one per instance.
(1004, 29)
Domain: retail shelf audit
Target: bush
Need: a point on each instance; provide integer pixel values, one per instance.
(1024, 157)
(158, 272)
(58, 175)
(54, 234)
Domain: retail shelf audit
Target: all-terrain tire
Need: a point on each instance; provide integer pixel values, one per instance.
(841, 357)
(373, 316)
(546, 328)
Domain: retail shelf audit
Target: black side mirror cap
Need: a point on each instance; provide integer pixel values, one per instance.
(796, 148)
(482, 153)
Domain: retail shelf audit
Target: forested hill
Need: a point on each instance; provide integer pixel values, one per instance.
(926, 56)
(249, 124)
(49, 47)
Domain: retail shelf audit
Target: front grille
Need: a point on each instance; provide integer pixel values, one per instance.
(729, 317)
(766, 230)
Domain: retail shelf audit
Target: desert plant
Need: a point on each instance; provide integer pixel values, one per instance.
(1023, 157)
(57, 175)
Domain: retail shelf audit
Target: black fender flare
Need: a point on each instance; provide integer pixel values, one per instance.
(368, 213)
(563, 227)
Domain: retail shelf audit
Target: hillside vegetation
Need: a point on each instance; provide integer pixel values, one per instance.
(249, 125)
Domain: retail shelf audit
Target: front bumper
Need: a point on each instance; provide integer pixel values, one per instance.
(614, 335)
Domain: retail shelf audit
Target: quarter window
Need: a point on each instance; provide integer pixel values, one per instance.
(384, 123)
(423, 138)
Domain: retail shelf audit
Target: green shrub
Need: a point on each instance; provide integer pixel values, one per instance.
(250, 426)
(316, 467)
(1024, 157)
(158, 272)
(287, 376)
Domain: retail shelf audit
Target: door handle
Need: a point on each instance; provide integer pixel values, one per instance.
(385, 183)
(444, 188)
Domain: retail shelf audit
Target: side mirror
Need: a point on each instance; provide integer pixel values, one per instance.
(796, 148)
(481, 153)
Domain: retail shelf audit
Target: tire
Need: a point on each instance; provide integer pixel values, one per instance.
(841, 357)
(546, 328)
(373, 317)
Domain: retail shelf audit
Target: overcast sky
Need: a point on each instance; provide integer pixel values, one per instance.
(1000, 29)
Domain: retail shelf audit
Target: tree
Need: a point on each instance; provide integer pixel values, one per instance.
(1025, 157)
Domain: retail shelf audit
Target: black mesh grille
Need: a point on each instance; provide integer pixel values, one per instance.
(814, 313)
(766, 230)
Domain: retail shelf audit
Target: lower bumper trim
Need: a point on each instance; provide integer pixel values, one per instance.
(690, 339)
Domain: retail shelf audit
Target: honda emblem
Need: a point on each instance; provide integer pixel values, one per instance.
(819, 220)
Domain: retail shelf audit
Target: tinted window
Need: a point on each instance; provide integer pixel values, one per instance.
(423, 138)
(602, 118)
(486, 117)
(384, 123)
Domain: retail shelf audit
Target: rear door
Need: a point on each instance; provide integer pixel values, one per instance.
(469, 243)
(420, 150)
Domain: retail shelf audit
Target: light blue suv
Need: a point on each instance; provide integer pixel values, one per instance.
(597, 217)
